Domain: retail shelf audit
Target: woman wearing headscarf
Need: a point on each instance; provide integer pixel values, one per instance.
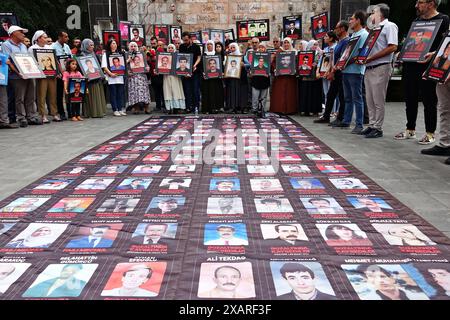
(212, 89)
(95, 106)
(173, 90)
(45, 88)
(138, 91)
(236, 89)
(284, 88)
(310, 88)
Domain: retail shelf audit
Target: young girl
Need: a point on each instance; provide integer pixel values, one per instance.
(72, 71)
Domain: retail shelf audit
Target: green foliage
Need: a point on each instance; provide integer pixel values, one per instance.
(48, 15)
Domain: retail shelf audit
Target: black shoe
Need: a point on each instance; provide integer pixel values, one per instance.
(375, 133)
(9, 126)
(367, 130)
(63, 118)
(334, 123)
(447, 161)
(35, 122)
(23, 123)
(436, 151)
(322, 120)
(341, 125)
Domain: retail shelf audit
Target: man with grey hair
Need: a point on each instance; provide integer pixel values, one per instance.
(379, 70)
(414, 84)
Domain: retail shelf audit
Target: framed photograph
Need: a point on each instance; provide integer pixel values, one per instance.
(419, 40)
(111, 35)
(164, 62)
(137, 34)
(138, 63)
(161, 32)
(196, 35)
(233, 67)
(319, 25)
(217, 35)
(175, 33)
(116, 63)
(347, 53)
(212, 66)
(7, 20)
(27, 66)
(228, 34)
(261, 64)
(326, 63)
(206, 35)
(3, 70)
(253, 28)
(77, 90)
(439, 68)
(305, 63)
(369, 44)
(292, 27)
(183, 64)
(90, 67)
(285, 63)
(124, 28)
(62, 62)
(46, 58)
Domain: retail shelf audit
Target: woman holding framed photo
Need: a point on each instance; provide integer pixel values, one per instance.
(173, 89)
(236, 83)
(212, 87)
(95, 106)
(138, 91)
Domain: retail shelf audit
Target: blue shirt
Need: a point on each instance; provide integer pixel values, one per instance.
(340, 48)
(357, 68)
(9, 47)
(61, 50)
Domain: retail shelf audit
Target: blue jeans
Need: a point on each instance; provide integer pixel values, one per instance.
(353, 97)
(191, 88)
(117, 96)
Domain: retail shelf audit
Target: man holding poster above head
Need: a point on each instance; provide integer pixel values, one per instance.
(428, 18)
(379, 69)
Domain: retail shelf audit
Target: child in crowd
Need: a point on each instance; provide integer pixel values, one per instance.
(73, 71)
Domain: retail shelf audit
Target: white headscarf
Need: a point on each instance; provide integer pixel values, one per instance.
(304, 44)
(236, 52)
(210, 53)
(36, 36)
(133, 43)
(290, 42)
(172, 46)
(311, 43)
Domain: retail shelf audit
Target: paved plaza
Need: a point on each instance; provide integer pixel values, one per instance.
(420, 182)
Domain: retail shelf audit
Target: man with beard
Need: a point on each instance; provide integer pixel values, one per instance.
(95, 239)
(287, 236)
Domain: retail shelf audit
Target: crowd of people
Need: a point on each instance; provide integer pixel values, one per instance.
(358, 88)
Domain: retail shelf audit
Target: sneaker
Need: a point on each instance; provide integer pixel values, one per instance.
(322, 120)
(80, 118)
(122, 113)
(407, 134)
(357, 130)
(117, 114)
(436, 151)
(367, 130)
(45, 120)
(74, 119)
(23, 123)
(375, 133)
(57, 119)
(428, 138)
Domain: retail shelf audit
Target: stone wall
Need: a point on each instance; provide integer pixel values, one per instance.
(195, 15)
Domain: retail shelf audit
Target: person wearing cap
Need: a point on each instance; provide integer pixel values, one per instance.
(24, 89)
(46, 88)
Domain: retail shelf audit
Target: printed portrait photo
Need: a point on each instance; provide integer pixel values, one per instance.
(374, 204)
(322, 206)
(283, 234)
(38, 235)
(118, 205)
(225, 206)
(73, 205)
(95, 184)
(330, 169)
(10, 273)
(54, 184)
(61, 280)
(175, 183)
(263, 185)
(293, 169)
(166, 205)
(225, 185)
(134, 184)
(24, 204)
(95, 236)
(112, 169)
(348, 184)
(403, 234)
(343, 235)
(147, 169)
(94, 158)
(306, 184)
(231, 234)
(301, 281)
(268, 205)
(155, 234)
(226, 280)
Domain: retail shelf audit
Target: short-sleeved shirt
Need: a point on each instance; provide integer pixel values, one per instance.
(388, 36)
(67, 75)
(195, 50)
(118, 79)
(61, 50)
(357, 68)
(10, 47)
(340, 46)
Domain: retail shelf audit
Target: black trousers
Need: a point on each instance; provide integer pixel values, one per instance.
(414, 87)
(157, 85)
(59, 97)
(336, 91)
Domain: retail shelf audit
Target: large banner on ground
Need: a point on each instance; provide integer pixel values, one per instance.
(215, 207)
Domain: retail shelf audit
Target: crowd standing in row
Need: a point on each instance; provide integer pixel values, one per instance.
(359, 88)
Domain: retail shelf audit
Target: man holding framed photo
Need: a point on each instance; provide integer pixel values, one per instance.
(24, 89)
